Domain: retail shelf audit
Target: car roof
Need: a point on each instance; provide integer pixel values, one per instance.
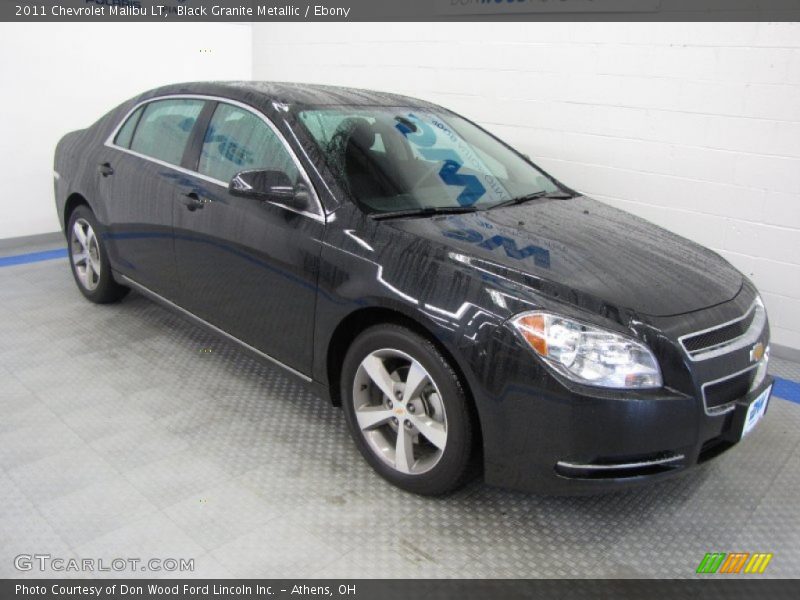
(292, 94)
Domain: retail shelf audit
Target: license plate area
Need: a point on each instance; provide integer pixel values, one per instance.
(756, 410)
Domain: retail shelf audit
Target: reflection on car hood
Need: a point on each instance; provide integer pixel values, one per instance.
(592, 248)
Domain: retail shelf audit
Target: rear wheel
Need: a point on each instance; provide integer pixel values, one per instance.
(89, 261)
(407, 411)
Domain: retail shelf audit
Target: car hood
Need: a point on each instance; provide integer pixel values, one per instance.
(588, 247)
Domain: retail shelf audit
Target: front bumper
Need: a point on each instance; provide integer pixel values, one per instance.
(548, 435)
(600, 442)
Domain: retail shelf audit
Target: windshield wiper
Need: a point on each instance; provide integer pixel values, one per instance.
(557, 195)
(424, 212)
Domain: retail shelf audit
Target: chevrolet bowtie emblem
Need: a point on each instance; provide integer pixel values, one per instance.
(757, 352)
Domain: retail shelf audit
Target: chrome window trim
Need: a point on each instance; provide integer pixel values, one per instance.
(317, 216)
(614, 466)
(148, 292)
(748, 337)
(728, 406)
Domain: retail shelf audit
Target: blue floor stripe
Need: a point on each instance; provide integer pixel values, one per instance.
(787, 389)
(32, 257)
(784, 388)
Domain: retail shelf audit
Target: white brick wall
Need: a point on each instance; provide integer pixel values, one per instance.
(59, 77)
(694, 126)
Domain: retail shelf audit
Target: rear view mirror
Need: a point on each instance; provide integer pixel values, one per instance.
(272, 186)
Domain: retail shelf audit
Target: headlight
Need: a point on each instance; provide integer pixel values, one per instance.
(763, 364)
(588, 354)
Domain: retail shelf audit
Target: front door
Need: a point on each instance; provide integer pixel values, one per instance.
(248, 266)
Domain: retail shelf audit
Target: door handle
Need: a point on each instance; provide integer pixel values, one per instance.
(105, 169)
(192, 201)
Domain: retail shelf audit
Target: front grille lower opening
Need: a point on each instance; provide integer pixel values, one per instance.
(719, 394)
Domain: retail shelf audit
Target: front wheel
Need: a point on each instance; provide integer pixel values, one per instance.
(89, 260)
(407, 411)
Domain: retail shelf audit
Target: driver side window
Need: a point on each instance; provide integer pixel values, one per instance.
(238, 140)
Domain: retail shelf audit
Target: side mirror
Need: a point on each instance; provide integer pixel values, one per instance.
(272, 186)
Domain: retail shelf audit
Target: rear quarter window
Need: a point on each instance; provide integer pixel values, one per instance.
(125, 134)
(164, 129)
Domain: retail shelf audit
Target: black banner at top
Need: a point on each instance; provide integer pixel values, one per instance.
(399, 10)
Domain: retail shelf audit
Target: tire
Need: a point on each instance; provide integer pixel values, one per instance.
(89, 260)
(435, 417)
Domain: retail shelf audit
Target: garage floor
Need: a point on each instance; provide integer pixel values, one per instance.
(125, 432)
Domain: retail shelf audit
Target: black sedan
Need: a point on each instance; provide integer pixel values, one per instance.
(465, 308)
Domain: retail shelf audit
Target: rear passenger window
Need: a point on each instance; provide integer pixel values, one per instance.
(125, 133)
(165, 127)
(237, 140)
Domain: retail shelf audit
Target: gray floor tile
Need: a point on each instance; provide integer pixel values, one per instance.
(134, 446)
(24, 445)
(125, 431)
(378, 561)
(96, 510)
(205, 566)
(153, 536)
(175, 477)
(12, 391)
(110, 416)
(23, 529)
(87, 393)
(220, 514)
(25, 412)
(256, 554)
(784, 368)
(61, 474)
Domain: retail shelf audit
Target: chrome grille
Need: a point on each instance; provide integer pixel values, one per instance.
(726, 337)
(716, 337)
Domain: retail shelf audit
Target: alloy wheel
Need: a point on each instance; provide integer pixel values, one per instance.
(85, 254)
(399, 411)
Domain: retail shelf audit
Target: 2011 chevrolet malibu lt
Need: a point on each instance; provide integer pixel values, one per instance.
(463, 307)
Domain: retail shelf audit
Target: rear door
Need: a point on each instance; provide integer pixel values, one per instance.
(248, 266)
(144, 167)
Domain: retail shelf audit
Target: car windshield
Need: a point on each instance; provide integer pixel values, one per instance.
(409, 159)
